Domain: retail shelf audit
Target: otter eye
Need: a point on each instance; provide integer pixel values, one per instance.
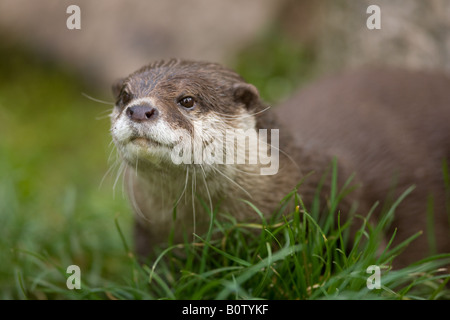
(125, 97)
(187, 102)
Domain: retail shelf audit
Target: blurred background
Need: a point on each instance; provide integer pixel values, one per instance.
(58, 203)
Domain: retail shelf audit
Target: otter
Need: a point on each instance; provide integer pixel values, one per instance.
(386, 127)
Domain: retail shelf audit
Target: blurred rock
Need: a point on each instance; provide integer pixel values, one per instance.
(117, 36)
(414, 34)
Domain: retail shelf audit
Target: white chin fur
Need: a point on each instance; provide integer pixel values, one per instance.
(134, 153)
(124, 130)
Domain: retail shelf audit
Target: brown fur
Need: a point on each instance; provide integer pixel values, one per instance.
(390, 127)
(379, 124)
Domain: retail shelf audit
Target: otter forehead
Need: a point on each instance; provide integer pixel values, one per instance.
(211, 86)
(208, 82)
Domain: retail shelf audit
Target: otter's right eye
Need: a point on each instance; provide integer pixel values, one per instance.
(125, 97)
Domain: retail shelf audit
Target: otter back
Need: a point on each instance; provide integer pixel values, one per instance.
(390, 127)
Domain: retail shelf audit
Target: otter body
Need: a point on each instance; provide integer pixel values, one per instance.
(380, 125)
(392, 128)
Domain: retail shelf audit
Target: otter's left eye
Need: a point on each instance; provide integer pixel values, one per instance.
(187, 102)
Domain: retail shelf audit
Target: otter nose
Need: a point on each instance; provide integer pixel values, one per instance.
(141, 113)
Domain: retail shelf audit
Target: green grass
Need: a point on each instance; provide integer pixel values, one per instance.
(54, 213)
(53, 156)
(295, 255)
(291, 256)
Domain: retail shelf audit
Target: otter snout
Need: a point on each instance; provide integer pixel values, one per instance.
(140, 113)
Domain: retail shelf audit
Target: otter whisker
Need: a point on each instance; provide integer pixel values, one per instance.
(113, 166)
(112, 152)
(136, 167)
(161, 182)
(107, 112)
(193, 187)
(119, 173)
(224, 115)
(207, 189)
(283, 152)
(103, 117)
(231, 180)
(184, 189)
(97, 100)
(132, 198)
(111, 144)
(246, 172)
(103, 114)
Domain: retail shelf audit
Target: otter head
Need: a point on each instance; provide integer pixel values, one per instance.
(168, 111)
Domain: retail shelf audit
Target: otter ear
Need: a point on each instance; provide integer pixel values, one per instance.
(117, 87)
(246, 93)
